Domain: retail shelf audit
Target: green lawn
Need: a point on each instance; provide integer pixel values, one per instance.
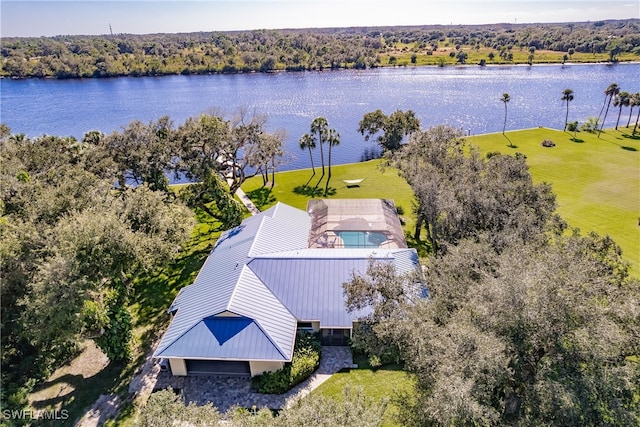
(383, 383)
(289, 186)
(596, 180)
(378, 184)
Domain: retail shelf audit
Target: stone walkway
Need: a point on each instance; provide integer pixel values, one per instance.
(225, 392)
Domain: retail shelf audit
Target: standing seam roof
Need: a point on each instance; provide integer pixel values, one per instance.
(263, 270)
(213, 290)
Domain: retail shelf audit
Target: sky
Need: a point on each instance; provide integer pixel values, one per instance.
(31, 18)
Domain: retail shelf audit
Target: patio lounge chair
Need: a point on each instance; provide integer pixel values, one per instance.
(353, 182)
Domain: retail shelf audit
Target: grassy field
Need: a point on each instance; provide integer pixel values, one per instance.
(290, 186)
(596, 180)
(403, 52)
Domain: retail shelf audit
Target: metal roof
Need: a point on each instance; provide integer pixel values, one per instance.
(225, 338)
(264, 272)
(253, 299)
(212, 291)
(309, 282)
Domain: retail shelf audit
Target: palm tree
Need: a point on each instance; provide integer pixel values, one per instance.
(621, 100)
(505, 98)
(308, 142)
(606, 96)
(333, 138)
(634, 101)
(319, 126)
(567, 96)
(635, 127)
(612, 90)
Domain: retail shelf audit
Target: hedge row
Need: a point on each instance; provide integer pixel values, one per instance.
(306, 359)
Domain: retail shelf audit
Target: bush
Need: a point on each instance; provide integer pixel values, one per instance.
(572, 126)
(166, 408)
(590, 125)
(306, 359)
(365, 342)
(374, 361)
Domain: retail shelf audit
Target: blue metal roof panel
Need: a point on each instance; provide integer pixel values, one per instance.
(312, 288)
(253, 299)
(309, 283)
(224, 338)
(286, 229)
(406, 260)
(212, 289)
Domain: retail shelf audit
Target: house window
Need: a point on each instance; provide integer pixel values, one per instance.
(304, 325)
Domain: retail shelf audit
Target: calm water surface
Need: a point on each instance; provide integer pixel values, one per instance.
(464, 97)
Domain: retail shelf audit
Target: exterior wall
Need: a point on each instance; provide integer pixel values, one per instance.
(178, 367)
(258, 367)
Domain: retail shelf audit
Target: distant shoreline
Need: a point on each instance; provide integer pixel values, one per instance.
(359, 48)
(502, 65)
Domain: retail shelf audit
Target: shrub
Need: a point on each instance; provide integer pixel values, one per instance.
(273, 382)
(306, 359)
(374, 361)
(572, 126)
(166, 408)
(365, 342)
(590, 125)
(548, 143)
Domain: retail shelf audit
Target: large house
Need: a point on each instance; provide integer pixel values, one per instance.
(277, 272)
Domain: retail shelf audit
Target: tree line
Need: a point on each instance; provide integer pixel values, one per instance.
(313, 49)
(82, 219)
(515, 319)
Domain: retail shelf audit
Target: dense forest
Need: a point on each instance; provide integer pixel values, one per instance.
(81, 220)
(318, 49)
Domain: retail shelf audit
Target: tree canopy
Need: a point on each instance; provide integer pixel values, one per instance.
(392, 129)
(81, 219)
(71, 245)
(310, 49)
(523, 323)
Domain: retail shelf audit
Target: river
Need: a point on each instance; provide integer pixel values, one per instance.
(466, 97)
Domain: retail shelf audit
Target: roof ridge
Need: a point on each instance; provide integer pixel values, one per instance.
(265, 287)
(173, 341)
(256, 236)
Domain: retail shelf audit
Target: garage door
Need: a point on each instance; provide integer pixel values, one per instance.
(218, 367)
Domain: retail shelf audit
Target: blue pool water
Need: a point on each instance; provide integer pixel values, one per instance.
(361, 239)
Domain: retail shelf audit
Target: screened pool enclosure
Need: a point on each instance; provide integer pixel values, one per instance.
(354, 223)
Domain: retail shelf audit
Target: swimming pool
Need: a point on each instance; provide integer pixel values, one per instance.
(361, 239)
